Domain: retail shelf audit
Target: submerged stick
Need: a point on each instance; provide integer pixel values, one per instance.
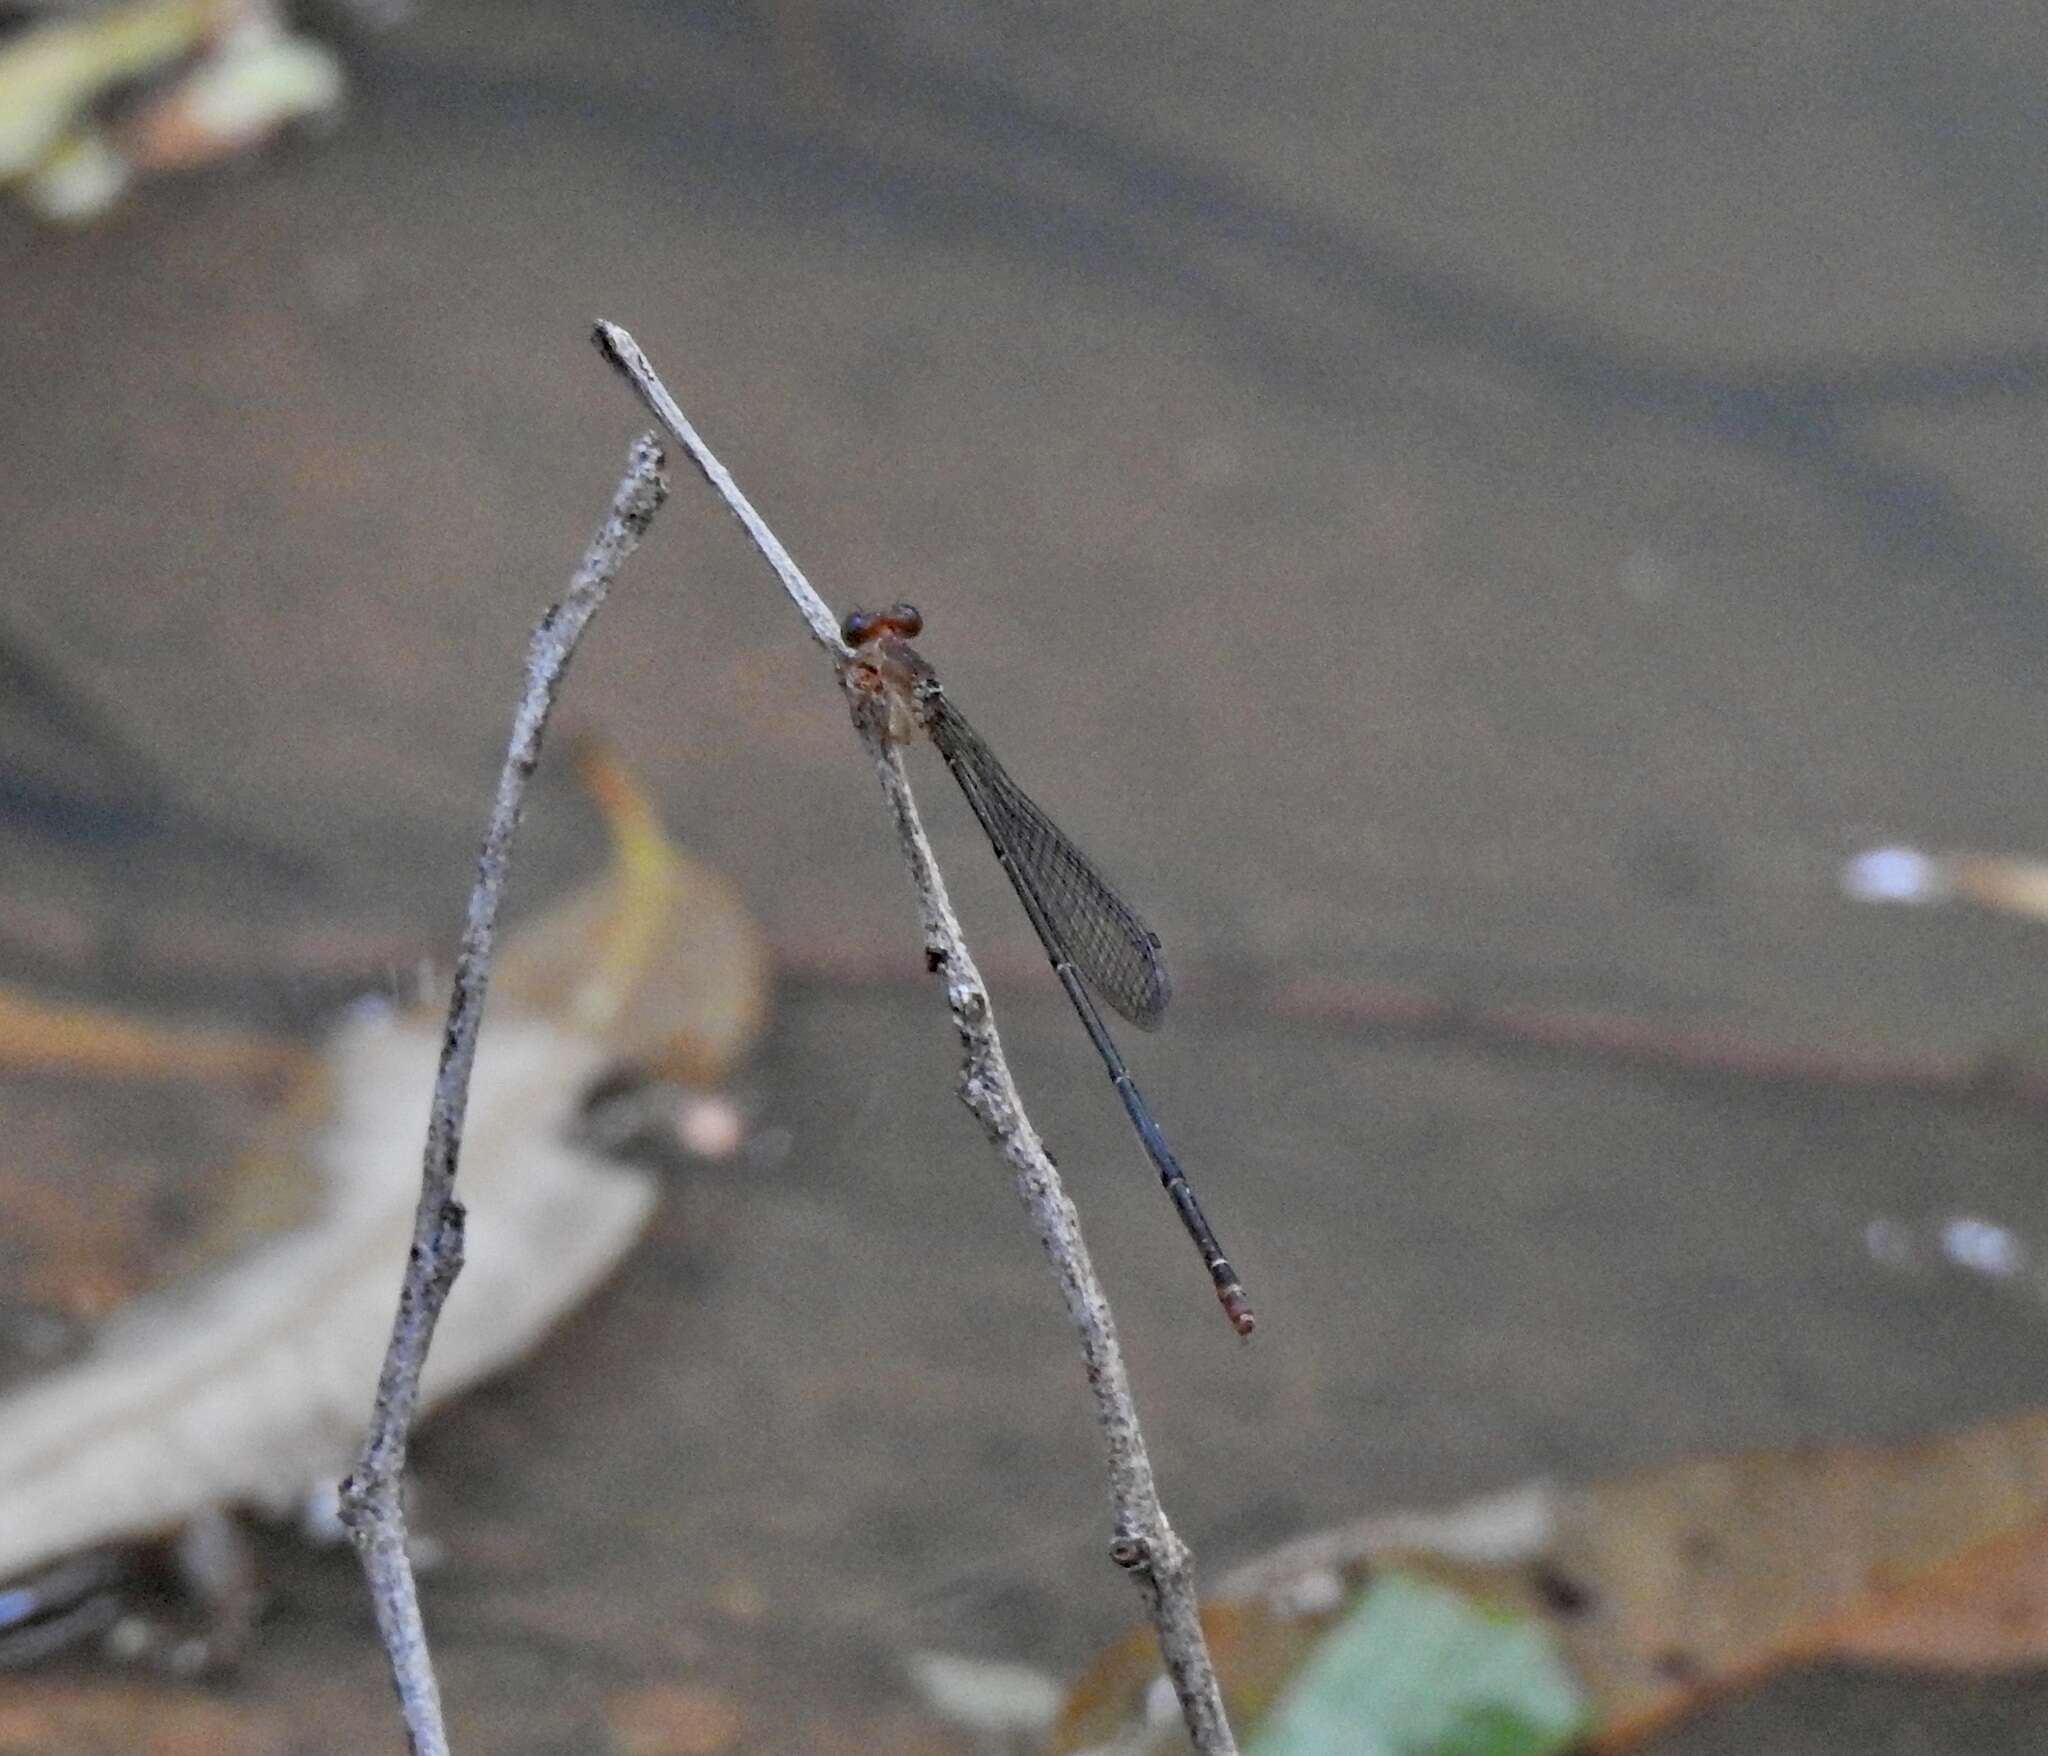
(371, 1502)
(1145, 1544)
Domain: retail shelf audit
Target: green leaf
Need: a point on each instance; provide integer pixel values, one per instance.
(1416, 1669)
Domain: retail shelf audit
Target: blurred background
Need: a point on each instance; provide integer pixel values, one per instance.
(1471, 513)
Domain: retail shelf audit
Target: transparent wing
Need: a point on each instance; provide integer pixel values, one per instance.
(1116, 953)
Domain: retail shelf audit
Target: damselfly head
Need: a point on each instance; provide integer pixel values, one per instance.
(885, 670)
(861, 626)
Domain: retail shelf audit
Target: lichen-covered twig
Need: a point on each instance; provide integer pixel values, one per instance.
(1145, 1543)
(371, 1503)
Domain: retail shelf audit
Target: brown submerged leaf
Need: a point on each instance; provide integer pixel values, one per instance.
(1665, 1587)
(1707, 1573)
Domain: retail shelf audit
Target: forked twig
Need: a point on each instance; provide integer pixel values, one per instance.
(1145, 1543)
(371, 1503)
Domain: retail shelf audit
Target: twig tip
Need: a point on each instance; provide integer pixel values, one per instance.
(615, 343)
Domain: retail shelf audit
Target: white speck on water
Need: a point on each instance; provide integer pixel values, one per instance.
(1162, 1706)
(1894, 874)
(1984, 1247)
(709, 1125)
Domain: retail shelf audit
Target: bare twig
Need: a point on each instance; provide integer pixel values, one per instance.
(1145, 1543)
(624, 353)
(371, 1504)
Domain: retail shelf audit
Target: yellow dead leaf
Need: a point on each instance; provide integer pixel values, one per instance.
(659, 959)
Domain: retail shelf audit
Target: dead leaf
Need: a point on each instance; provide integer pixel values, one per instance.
(1986, 1610)
(249, 1379)
(1680, 1581)
(1665, 1587)
(660, 958)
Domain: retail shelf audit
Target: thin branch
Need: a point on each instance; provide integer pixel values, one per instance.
(371, 1503)
(1145, 1543)
(624, 353)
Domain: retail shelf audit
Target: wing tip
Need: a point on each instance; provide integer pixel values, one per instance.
(1150, 1012)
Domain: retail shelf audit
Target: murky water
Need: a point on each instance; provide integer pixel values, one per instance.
(1498, 505)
